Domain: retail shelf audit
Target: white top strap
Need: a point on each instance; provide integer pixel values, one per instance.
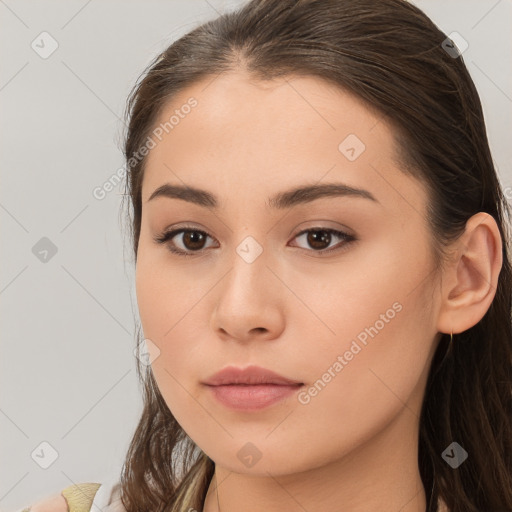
(107, 497)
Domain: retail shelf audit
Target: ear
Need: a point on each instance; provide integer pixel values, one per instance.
(470, 279)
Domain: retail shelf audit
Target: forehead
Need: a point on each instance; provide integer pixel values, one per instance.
(271, 134)
(293, 107)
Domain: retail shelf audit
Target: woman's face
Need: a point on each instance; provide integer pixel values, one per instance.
(352, 317)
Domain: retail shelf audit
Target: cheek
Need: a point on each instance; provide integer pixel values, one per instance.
(375, 336)
(168, 308)
(375, 318)
(368, 287)
(165, 294)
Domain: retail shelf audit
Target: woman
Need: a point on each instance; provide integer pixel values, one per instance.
(322, 271)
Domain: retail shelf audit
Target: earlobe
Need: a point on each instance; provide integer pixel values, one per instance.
(469, 285)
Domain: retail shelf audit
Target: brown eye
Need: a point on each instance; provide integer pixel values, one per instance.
(191, 242)
(194, 240)
(183, 241)
(320, 239)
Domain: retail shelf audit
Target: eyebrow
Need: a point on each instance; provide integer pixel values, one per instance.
(281, 200)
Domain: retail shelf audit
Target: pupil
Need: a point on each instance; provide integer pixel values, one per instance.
(319, 237)
(192, 237)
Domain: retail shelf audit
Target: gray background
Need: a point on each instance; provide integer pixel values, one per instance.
(67, 364)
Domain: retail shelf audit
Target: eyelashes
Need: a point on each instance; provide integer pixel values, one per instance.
(314, 236)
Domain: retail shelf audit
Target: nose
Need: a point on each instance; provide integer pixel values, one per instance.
(249, 303)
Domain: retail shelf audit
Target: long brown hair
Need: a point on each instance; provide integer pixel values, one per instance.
(391, 56)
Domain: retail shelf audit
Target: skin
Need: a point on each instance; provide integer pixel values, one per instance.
(353, 447)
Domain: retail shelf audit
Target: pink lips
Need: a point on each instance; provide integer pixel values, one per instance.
(250, 388)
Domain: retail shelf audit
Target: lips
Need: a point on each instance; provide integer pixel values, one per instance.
(250, 389)
(251, 375)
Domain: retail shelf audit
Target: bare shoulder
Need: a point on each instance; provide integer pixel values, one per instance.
(53, 503)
